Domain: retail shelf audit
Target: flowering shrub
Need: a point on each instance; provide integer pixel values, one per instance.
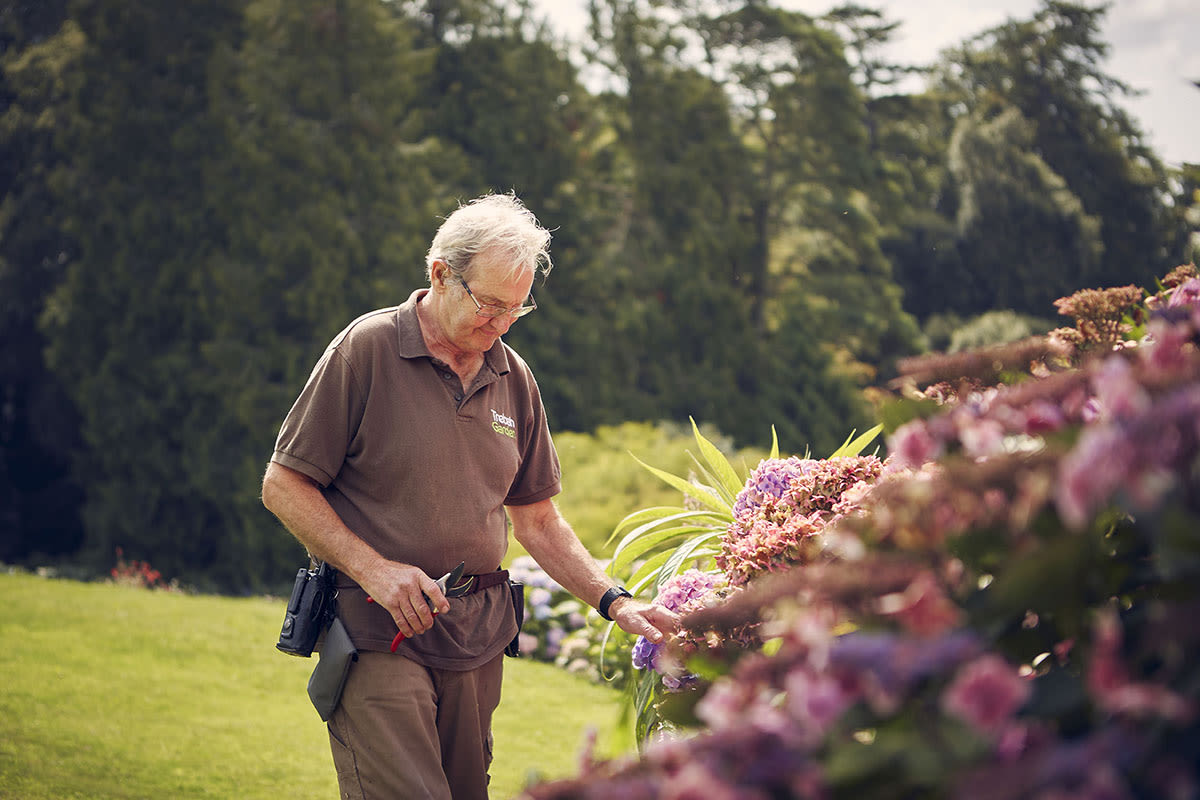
(1012, 606)
(551, 612)
(138, 574)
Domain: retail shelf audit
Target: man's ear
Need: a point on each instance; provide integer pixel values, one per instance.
(439, 273)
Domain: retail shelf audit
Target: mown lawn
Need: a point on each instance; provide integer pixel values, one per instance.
(114, 692)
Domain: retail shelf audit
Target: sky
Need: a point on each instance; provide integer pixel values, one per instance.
(1154, 47)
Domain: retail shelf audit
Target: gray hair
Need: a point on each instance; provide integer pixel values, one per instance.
(491, 222)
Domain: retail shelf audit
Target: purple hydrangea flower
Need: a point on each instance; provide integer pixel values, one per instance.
(645, 654)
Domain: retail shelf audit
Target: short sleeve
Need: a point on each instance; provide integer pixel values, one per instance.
(540, 476)
(317, 432)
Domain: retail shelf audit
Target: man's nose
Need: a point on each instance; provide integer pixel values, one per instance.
(502, 323)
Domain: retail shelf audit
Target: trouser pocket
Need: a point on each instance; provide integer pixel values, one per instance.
(346, 765)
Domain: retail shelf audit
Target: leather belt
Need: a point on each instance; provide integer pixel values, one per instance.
(484, 581)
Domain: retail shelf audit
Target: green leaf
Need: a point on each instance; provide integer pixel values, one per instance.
(608, 629)
(704, 494)
(648, 571)
(774, 443)
(639, 517)
(718, 464)
(643, 705)
(682, 554)
(850, 448)
(638, 544)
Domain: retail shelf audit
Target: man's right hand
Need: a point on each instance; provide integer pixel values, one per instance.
(402, 589)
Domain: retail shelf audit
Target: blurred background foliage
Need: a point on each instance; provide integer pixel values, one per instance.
(753, 221)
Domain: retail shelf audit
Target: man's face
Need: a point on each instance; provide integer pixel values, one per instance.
(491, 284)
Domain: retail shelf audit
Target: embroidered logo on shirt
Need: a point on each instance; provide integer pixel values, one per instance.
(504, 425)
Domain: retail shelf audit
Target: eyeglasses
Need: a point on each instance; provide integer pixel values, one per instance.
(491, 311)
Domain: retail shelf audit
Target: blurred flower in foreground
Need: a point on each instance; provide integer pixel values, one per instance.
(986, 693)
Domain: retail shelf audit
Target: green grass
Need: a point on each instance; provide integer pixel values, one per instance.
(115, 692)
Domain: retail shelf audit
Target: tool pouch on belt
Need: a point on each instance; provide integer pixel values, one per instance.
(309, 610)
(518, 598)
(329, 678)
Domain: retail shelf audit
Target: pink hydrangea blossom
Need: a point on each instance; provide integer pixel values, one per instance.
(986, 693)
(689, 591)
(912, 444)
(816, 700)
(1042, 416)
(1089, 474)
(981, 438)
(923, 608)
(783, 507)
(1118, 391)
(695, 781)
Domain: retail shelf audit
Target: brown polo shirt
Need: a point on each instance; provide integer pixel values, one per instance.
(421, 468)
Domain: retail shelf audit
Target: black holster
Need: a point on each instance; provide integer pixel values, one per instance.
(310, 609)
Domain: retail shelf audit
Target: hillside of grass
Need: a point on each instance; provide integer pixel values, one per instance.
(117, 692)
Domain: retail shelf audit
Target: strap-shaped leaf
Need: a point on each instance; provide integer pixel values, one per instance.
(648, 571)
(608, 629)
(704, 494)
(635, 547)
(645, 714)
(682, 555)
(853, 448)
(774, 443)
(639, 517)
(718, 465)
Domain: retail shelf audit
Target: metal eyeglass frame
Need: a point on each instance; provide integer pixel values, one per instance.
(492, 311)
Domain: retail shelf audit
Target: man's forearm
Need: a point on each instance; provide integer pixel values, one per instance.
(556, 548)
(552, 543)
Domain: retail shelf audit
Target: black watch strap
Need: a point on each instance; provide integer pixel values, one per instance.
(608, 598)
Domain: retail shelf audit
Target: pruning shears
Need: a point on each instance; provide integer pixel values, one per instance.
(452, 584)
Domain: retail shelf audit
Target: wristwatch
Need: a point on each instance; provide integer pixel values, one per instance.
(608, 598)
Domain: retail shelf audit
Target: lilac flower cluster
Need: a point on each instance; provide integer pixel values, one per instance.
(784, 506)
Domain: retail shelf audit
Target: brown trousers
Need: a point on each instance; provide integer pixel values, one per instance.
(408, 732)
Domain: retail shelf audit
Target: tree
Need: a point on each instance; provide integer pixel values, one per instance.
(1021, 231)
(39, 427)
(1050, 68)
(123, 326)
(328, 199)
(698, 231)
(812, 173)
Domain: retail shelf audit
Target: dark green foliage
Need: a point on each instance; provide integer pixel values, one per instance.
(1051, 177)
(123, 325)
(39, 429)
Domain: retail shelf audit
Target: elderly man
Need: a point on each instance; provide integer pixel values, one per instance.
(415, 434)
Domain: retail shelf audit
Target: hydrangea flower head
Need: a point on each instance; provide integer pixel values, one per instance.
(783, 506)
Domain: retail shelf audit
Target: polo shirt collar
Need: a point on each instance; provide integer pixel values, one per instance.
(412, 343)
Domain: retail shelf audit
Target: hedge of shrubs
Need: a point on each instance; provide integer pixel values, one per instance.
(1007, 606)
